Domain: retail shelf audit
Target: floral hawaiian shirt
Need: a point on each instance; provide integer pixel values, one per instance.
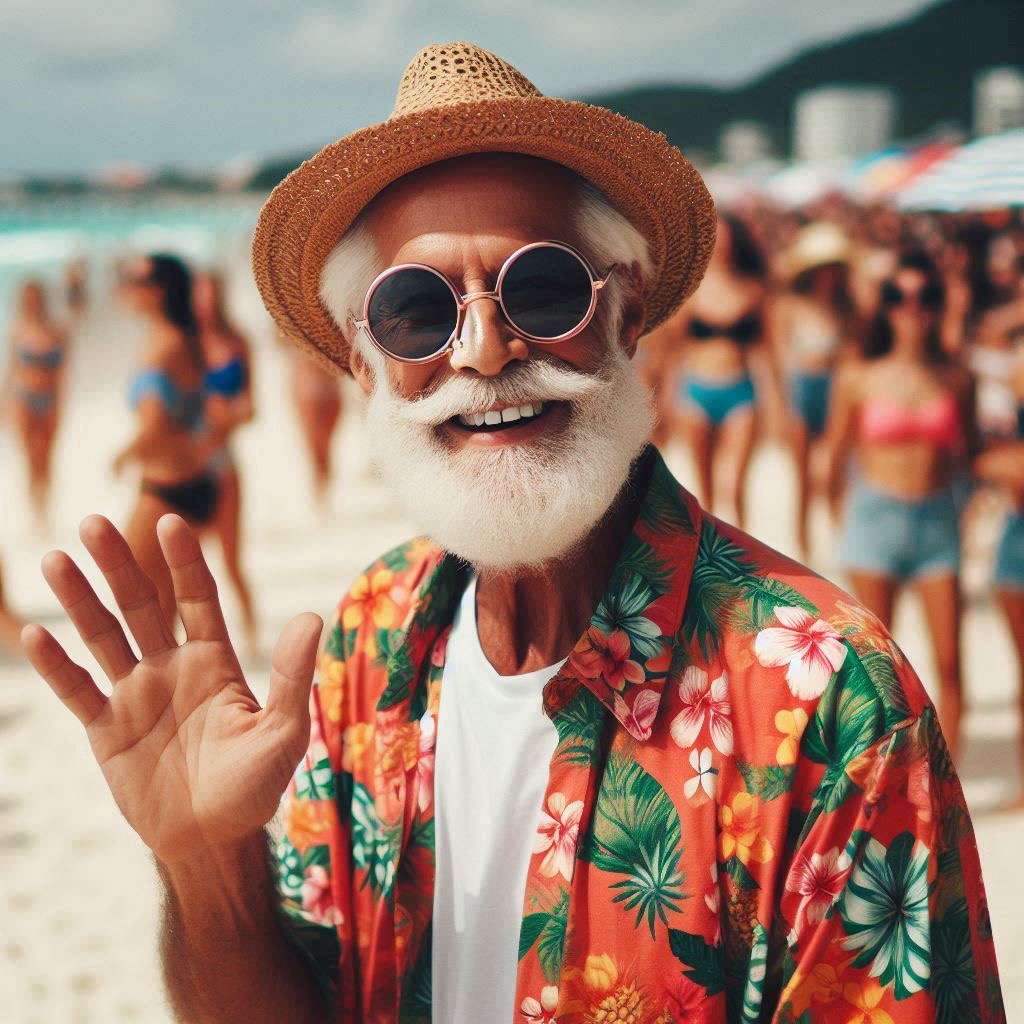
(751, 814)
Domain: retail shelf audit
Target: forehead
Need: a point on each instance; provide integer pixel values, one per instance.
(474, 202)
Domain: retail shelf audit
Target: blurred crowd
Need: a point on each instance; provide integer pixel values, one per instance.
(886, 351)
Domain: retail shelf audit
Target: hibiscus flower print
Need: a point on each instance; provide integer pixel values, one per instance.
(703, 701)
(791, 724)
(607, 657)
(317, 899)
(818, 879)
(540, 1011)
(701, 788)
(639, 718)
(741, 831)
(425, 761)
(557, 834)
(811, 648)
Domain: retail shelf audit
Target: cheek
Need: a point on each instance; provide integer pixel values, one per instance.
(408, 380)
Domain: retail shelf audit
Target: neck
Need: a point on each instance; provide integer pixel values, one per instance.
(908, 344)
(532, 620)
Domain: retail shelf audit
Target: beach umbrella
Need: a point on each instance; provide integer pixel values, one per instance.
(877, 174)
(984, 175)
(805, 182)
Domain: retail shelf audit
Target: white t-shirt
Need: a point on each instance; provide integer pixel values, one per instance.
(494, 746)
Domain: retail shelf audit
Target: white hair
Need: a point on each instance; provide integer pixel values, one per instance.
(607, 238)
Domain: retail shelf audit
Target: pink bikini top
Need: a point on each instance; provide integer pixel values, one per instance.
(886, 421)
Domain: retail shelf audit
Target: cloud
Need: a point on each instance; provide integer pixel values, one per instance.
(76, 30)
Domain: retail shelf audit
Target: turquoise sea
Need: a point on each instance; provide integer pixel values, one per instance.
(38, 238)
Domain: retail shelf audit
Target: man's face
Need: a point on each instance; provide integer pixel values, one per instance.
(523, 492)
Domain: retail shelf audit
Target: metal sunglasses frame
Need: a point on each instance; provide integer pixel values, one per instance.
(463, 301)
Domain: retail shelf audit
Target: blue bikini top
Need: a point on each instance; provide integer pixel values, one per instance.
(184, 407)
(44, 360)
(227, 380)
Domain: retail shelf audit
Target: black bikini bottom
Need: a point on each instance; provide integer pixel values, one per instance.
(194, 499)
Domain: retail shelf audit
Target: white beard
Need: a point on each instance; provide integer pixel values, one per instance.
(514, 507)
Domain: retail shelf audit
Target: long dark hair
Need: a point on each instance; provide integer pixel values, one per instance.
(746, 258)
(172, 276)
(878, 340)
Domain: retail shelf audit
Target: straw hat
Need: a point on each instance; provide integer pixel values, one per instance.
(454, 100)
(817, 245)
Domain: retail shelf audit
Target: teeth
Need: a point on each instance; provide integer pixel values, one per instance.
(492, 417)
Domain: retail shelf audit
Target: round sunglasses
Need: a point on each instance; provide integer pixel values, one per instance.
(547, 292)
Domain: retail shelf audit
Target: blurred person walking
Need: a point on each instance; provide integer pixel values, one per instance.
(174, 444)
(229, 405)
(38, 350)
(721, 331)
(316, 393)
(10, 625)
(905, 412)
(812, 322)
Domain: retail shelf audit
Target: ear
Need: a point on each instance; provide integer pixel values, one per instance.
(634, 312)
(361, 369)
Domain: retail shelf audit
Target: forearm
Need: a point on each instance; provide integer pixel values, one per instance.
(225, 954)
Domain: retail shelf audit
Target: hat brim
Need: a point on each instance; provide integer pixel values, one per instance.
(645, 178)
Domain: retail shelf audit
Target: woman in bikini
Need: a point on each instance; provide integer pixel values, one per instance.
(811, 324)
(174, 443)
(719, 336)
(38, 347)
(229, 405)
(317, 397)
(906, 414)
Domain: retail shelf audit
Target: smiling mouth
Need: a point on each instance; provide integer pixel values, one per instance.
(493, 420)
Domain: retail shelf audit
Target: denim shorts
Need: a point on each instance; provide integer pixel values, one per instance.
(1009, 568)
(809, 395)
(899, 538)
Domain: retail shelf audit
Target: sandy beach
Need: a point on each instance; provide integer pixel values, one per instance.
(79, 903)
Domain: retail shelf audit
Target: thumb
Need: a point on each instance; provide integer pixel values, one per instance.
(292, 665)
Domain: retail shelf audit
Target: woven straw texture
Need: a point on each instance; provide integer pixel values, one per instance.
(454, 100)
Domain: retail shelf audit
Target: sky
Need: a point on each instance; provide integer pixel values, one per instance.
(202, 83)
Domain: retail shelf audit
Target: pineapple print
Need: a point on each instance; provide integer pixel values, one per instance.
(741, 916)
(625, 1005)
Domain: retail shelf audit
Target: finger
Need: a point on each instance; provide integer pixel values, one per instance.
(72, 684)
(96, 625)
(133, 590)
(195, 589)
(291, 669)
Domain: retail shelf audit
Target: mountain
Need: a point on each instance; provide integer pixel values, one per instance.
(929, 61)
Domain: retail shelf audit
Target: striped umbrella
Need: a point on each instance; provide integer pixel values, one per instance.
(984, 175)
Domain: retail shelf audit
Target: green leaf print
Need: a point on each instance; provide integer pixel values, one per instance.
(334, 645)
(884, 910)
(622, 607)
(529, 932)
(640, 559)
(704, 963)
(371, 846)
(766, 782)
(738, 872)
(579, 726)
(954, 979)
(663, 509)
(753, 993)
(636, 833)
(417, 986)
(761, 596)
(552, 939)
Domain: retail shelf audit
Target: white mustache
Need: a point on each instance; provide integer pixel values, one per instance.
(532, 381)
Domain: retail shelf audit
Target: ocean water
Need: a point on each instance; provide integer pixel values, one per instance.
(39, 238)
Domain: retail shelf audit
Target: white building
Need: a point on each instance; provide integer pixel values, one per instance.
(744, 142)
(840, 121)
(998, 101)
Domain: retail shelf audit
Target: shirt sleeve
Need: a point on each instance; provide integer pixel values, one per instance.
(883, 897)
(313, 854)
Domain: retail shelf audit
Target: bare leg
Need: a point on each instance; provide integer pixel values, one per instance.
(941, 597)
(801, 447)
(10, 626)
(736, 444)
(699, 434)
(877, 593)
(140, 532)
(318, 417)
(227, 524)
(1013, 605)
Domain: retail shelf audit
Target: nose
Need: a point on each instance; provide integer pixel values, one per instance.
(485, 344)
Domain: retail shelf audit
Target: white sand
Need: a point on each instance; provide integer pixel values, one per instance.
(78, 899)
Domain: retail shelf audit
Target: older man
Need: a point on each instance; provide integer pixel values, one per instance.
(586, 754)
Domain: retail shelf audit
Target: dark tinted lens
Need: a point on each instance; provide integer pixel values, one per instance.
(892, 294)
(412, 313)
(931, 296)
(546, 292)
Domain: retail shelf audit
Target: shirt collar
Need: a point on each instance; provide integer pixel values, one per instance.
(625, 655)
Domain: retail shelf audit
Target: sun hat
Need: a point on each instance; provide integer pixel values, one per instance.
(817, 245)
(453, 100)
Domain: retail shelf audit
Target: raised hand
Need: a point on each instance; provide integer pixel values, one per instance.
(191, 758)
